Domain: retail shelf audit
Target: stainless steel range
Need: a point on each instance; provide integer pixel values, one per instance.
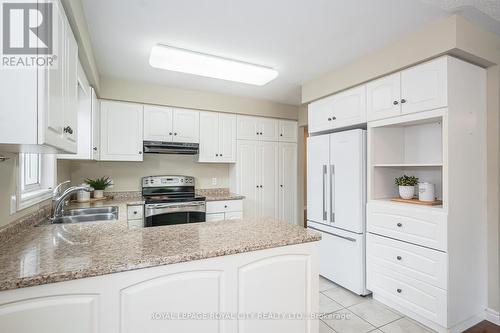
(171, 200)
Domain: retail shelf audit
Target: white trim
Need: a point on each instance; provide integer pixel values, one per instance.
(32, 198)
(492, 316)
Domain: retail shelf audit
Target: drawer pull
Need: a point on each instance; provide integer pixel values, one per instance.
(399, 224)
(399, 291)
(399, 257)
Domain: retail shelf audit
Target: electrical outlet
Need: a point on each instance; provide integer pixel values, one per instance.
(214, 181)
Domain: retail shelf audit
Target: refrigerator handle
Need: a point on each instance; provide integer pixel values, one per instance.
(332, 197)
(324, 192)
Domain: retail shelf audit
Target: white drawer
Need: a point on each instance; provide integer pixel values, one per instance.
(214, 217)
(135, 212)
(224, 206)
(421, 226)
(421, 298)
(417, 262)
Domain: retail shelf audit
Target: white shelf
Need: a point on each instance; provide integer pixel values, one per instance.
(388, 201)
(407, 165)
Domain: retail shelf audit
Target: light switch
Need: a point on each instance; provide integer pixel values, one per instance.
(214, 181)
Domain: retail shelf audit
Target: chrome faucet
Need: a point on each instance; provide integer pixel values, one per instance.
(58, 200)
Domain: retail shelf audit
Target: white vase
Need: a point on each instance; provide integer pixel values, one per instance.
(406, 192)
(98, 194)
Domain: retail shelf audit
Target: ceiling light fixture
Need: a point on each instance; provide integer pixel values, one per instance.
(186, 61)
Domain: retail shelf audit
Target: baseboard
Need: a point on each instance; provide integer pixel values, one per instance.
(492, 316)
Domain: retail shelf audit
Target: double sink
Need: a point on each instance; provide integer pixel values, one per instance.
(91, 214)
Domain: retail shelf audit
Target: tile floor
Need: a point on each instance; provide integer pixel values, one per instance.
(349, 313)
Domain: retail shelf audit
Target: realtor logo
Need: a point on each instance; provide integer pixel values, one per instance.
(27, 28)
(28, 34)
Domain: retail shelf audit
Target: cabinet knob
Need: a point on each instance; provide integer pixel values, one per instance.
(403, 101)
(170, 133)
(68, 130)
(399, 291)
(281, 186)
(281, 134)
(225, 206)
(395, 102)
(175, 133)
(260, 186)
(140, 153)
(220, 155)
(257, 186)
(95, 148)
(257, 133)
(216, 155)
(399, 257)
(135, 212)
(329, 119)
(399, 224)
(334, 118)
(260, 133)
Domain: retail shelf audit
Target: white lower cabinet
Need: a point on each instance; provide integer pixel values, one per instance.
(255, 175)
(288, 182)
(224, 210)
(121, 131)
(177, 297)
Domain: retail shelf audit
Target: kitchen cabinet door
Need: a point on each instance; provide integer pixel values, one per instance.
(227, 138)
(96, 114)
(248, 128)
(209, 137)
(267, 164)
(288, 182)
(424, 87)
(383, 97)
(158, 125)
(268, 129)
(233, 215)
(186, 125)
(121, 131)
(288, 131)
(70, 129)
(44, 314)
(246, 176)
(51, 82)
(320, 115)
(349, 107)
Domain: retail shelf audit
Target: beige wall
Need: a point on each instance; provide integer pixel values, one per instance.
(165, 95)
(453, 35)
(127, 175)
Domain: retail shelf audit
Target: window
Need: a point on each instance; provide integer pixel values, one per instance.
(36, 178)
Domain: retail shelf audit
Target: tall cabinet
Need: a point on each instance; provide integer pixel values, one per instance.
(429, 262)
(265, 171)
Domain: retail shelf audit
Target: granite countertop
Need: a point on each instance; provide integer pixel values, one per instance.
(218, 194)
(47, 253)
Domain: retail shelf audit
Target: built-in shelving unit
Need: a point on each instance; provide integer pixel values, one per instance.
(413, 147)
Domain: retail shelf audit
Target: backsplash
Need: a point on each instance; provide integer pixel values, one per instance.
(127, 175)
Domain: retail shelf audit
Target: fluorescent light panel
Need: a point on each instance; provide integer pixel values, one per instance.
(186, 61)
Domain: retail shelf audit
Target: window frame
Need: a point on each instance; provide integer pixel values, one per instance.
(31, 194)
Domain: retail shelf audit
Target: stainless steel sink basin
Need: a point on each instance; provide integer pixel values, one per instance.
(88, 215)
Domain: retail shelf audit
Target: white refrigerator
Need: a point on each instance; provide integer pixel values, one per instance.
(336, 198)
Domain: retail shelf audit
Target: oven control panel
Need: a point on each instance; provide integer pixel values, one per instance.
(167, 181)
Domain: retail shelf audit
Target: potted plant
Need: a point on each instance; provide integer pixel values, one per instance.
(406, 186)
(99, 185)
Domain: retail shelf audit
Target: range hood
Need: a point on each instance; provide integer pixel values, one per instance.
(160, 147)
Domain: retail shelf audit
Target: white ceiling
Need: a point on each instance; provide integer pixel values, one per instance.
(302, 39)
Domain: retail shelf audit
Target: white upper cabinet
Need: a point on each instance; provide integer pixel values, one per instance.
(158, 123)
(424, 87)
(384, 97)
(287, 131)
(96, 124)
(41, 104)
(121, 131)
(186, 125)
(257, 128)
(87, 124)
(171, 124)
(419, 88)
(340, 110)
(227, 138)
(217, 137)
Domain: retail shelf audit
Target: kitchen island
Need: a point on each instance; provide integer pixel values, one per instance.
(249, 275)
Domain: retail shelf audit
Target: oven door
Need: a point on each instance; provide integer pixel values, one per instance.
(174, 213)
